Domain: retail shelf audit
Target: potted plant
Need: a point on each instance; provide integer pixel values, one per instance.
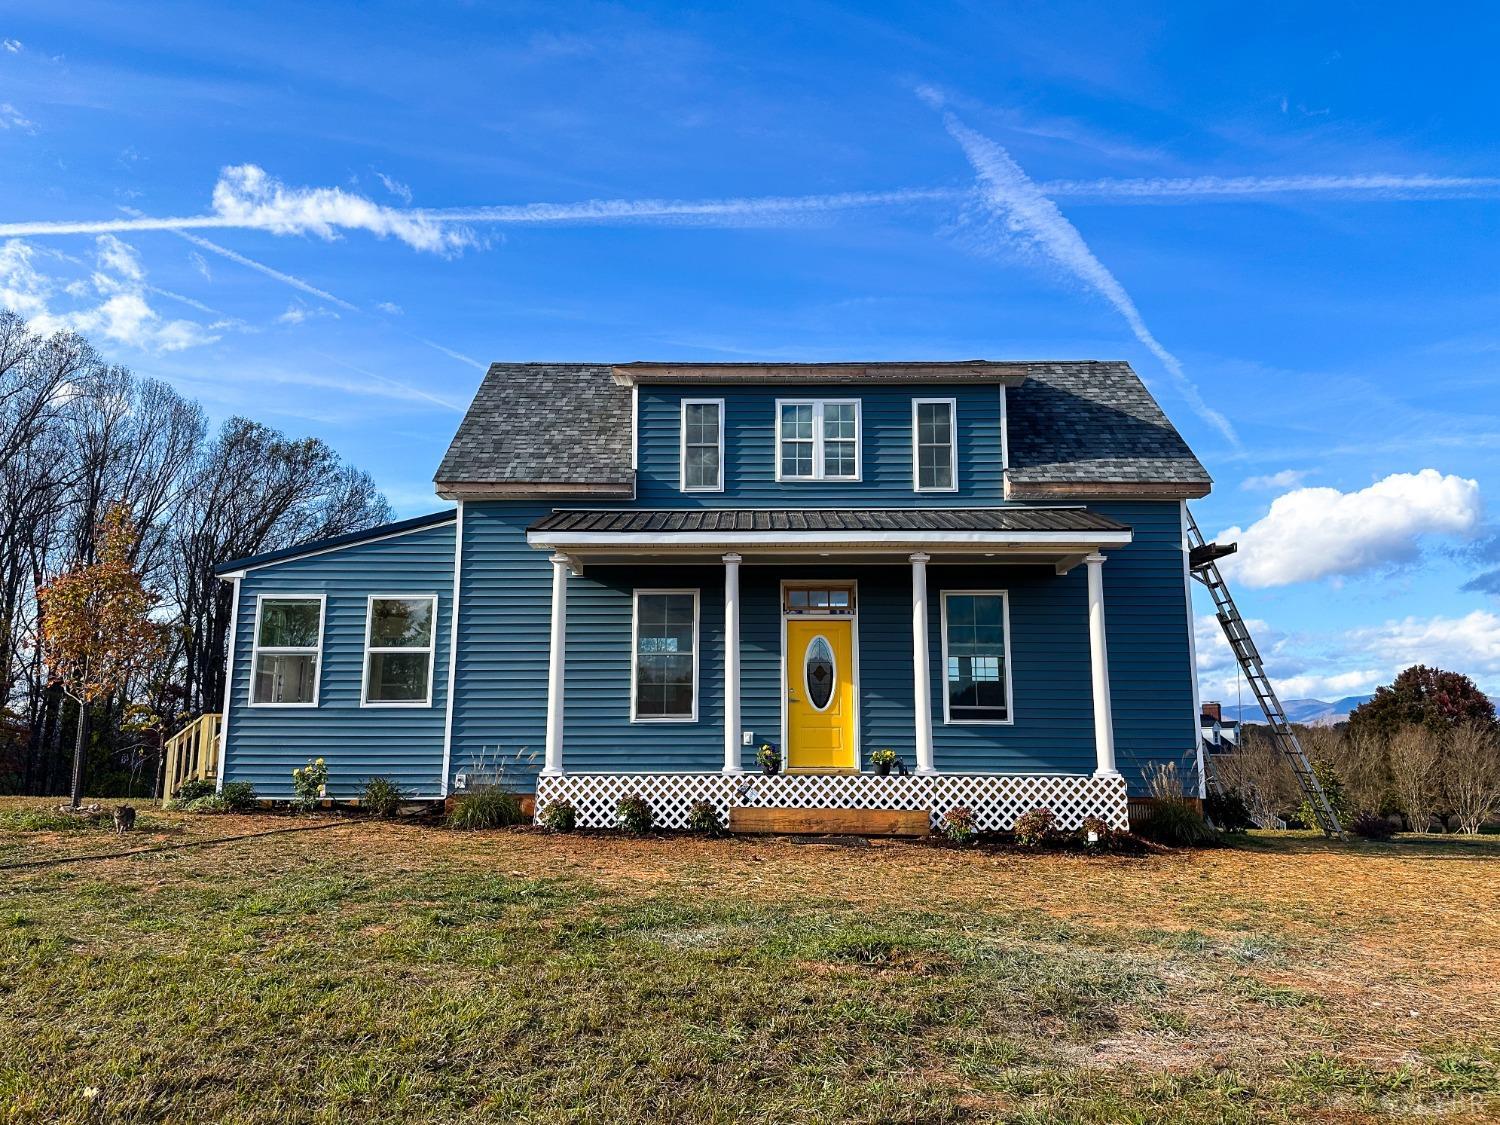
(769, 758)
(883, 759)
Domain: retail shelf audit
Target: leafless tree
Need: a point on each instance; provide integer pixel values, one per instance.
(1258, 771)
(1471, 774)
(1415, 757)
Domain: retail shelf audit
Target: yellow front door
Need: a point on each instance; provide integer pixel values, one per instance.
(820, 694)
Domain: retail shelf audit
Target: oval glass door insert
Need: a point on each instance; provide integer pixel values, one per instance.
(820, 672)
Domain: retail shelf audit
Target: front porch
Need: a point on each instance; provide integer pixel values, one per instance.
(811, 654)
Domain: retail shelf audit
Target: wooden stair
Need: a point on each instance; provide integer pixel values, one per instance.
(829, 822)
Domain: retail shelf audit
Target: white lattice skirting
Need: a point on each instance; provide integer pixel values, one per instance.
(996, 799)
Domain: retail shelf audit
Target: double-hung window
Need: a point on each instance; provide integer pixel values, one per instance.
(703, 445)
(934, 444)
(285, 655)
(399, 651)
(817, 439)
(664, 657)
(976, 656)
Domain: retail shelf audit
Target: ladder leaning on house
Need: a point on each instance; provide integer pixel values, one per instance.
(1203, 562)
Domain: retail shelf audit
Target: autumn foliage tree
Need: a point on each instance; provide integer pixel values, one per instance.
(1422, 696)
(96, 626)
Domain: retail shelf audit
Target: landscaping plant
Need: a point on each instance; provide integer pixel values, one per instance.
(490, 807)
(883, 759)
(1228, 811)
(1035, 829)
(193, 788)
(1371, 826)
(381, 797)
(238, 796)
(633, 814)
(959, 825)
(704, 817)
(310, 784)
(769, 758)
(560, 816)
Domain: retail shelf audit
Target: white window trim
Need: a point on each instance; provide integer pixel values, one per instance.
(916, 467)
(682, 445)
(1010, 695)
(635, 641)
(431, 649)
(817, 440)
(278, 650)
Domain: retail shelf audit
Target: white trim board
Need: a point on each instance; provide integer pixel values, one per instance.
(458, 575)
(1063, 541)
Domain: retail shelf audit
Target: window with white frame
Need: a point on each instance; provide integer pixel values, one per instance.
(817, 439)
(285, 653)
(399, 651)
(934, 444)
(664, 673)
(703, 445)
(976, 656)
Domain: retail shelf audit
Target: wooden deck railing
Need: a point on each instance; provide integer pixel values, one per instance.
(193, 752)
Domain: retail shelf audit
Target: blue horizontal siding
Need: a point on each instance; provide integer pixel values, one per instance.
(264, 744)
(885, 447)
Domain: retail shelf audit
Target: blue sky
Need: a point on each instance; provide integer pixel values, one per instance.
(330, 217)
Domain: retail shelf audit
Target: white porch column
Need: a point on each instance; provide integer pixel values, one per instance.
(1104, 724)
(557, 663)
(732, 663)
(921, 674)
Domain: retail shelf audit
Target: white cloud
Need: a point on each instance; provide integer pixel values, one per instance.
(123, 313)
(1287, 478)
(1199, 188)
(246, 196)
(13, 118)
(1032, 221)
(1468, 644)
(14, 46)
(200, 263)
(1329, 687)
(295, 314)
(451, 354)
(1313, 533)
(391, 308)
(396, 187)
(262, 268)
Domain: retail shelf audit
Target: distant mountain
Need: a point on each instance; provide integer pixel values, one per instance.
(1310, 712)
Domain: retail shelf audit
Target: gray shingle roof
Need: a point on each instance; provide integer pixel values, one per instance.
(850, 519)
(543, 424)
(1081, 426)
(1075, 428)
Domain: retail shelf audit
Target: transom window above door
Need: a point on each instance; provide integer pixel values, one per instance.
(818, 599)
(817, 439)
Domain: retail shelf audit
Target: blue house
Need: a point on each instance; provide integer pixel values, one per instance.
(653, 569)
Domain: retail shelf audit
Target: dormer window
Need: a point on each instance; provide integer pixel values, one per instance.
(817, 439)
(934, 445)
(703, 445)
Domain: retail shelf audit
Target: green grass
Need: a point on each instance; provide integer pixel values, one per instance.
(392, 973)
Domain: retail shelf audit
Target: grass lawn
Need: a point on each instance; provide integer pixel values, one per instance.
(385, 972)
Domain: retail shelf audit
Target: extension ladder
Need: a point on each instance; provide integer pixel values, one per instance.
(1203, 563)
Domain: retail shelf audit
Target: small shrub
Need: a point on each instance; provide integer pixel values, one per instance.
(560, 816)
(213, 803)
(633, 814)
(192, 789)
(768, 758)
(381, 797)
(1371, 826)
(959, 825)
(309, 783)
(1228, 811)
(1333, 789)
(491, 807)
(1036, 829)
(238, 796)
(703, 817)
(1176, 822)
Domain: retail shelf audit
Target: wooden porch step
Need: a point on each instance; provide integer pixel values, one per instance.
(832, 822)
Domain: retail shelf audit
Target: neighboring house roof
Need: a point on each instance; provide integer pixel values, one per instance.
(1088, 428)
(847, 519)
(542, 427)
(312, 547)
(1092, 428)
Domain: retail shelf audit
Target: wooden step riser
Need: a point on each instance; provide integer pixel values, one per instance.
(830, 822)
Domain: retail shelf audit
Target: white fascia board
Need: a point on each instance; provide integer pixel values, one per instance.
(566, 541)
